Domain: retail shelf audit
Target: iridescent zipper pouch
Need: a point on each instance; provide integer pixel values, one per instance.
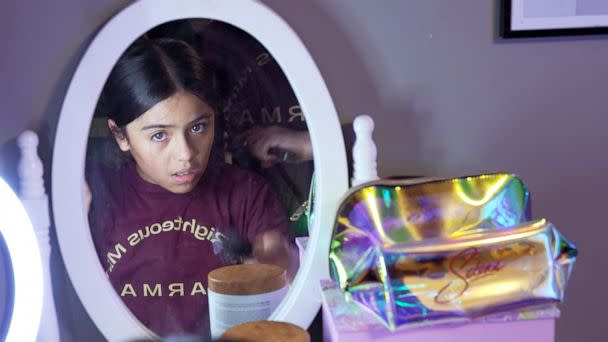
(427, 251)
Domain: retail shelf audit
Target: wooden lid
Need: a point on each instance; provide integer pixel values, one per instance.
(246, 279)
(266, 331)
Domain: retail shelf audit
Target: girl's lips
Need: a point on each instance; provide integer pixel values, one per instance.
(184, 177)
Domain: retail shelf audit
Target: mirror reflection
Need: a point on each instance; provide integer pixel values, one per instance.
(198, 158)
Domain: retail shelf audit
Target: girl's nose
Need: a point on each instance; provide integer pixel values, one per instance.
(184, 150)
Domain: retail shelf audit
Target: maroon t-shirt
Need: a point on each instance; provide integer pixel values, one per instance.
(158, 247)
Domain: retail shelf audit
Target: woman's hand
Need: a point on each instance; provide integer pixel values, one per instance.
(272, 247)
(264, 142)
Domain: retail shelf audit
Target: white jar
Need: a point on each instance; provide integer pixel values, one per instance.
(243, 293)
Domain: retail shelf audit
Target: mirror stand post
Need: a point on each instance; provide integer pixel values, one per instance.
(35, 201)
(364, 151)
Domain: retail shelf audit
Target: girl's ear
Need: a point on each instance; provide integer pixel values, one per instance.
(119, 136)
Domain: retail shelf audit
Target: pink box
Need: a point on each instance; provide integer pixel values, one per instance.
(346, 321)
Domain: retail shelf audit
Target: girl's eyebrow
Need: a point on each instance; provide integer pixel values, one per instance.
(155, 127)
(199, 118)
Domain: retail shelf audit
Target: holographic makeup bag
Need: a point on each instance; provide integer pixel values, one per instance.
(426, 251)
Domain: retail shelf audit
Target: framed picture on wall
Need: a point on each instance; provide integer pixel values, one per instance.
(545, 18)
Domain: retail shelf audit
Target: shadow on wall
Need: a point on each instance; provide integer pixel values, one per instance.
(405, 139)
(351, 85)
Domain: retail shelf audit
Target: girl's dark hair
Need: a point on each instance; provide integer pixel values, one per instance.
(148, 72)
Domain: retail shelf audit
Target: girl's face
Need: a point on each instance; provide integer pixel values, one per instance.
(171, 142)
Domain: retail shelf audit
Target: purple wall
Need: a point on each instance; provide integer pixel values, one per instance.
(450, 98)
(447, 95)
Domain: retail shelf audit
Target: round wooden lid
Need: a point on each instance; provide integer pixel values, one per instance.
(265, 331)
(246, 279)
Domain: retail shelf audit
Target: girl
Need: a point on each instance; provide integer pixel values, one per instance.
(171, 213)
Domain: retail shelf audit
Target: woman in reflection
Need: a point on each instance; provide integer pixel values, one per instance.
(171, 213)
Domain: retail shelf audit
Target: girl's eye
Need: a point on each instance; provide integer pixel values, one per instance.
(160, 136)
(198, 128)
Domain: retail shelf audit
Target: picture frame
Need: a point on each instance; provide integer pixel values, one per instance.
(548, 18)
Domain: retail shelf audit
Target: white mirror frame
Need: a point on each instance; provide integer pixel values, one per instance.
(95, 291)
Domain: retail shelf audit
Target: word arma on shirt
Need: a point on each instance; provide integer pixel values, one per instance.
(173, 289)
(267, 116)
(200, 232)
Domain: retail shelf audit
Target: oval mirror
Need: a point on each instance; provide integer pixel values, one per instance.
(263, 84)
